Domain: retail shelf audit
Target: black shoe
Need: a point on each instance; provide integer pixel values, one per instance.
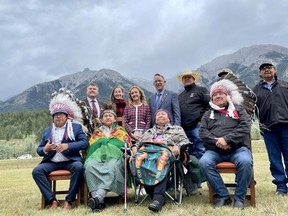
(222, 202)
(155, 206)
(100, 207)
(238, 204)
(93, 202)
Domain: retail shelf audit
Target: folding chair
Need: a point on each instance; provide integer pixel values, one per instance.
(175, 181)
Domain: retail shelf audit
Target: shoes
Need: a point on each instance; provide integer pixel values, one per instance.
(238, 204)
(54, 204)
(155, 206)
(93, 202)
(95, 205)
(100, 207)
(280, 193)
(67, 205)
(222, 202)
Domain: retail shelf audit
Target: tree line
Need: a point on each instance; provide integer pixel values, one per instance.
(19, 125)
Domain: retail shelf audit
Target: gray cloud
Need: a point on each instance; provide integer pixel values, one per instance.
(43, 40)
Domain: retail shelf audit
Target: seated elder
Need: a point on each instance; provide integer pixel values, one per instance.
(104, 163)
(225, 131)
(155, 153)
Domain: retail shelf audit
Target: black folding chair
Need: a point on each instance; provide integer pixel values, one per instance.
(175, 181)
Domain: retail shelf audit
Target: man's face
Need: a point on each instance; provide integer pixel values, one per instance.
(187, 80)
(268, 72)
(92, 91)
(219, 99)
(159, 83)
(59, 119)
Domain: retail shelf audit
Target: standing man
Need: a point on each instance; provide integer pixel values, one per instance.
(194, 101)
(60, 145)
(97, 107)
(272, 102)
(225, 131)
(164, 99)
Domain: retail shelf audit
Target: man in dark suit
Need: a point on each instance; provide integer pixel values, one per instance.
(164, 99)
(60, 145)
(96, 106)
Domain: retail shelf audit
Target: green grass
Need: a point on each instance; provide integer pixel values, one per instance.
(20, 195)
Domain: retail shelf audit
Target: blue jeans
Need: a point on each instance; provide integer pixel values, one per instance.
(241, 158)
(41, 171)
(197, 149)
(276, 142)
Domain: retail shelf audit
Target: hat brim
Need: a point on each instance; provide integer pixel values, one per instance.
(54, 112)
(196, 77)
(265, 64)
(222, 73)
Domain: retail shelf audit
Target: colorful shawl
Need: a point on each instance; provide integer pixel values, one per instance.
(104, 148)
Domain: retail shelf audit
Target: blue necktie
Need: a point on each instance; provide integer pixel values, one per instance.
(157, 101)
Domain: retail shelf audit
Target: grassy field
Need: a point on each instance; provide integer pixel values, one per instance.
(20, 195)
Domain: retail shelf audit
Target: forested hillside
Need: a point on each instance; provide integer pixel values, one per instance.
(19, 125)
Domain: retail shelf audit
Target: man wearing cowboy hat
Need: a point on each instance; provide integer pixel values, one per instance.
(194, 101)
(225, 131)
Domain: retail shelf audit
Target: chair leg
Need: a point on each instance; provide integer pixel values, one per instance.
(78, 200)
(252, 192)
(211, 193)
(85, 194)
(42, 202)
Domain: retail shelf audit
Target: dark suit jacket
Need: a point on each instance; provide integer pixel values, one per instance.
(103, 106)
(80, 143)
(168, 102)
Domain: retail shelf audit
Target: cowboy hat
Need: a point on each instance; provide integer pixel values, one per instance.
(195, 75)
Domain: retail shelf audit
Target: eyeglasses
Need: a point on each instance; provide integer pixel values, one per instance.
(267, 67)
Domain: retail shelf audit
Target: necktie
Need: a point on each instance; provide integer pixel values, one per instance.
(158, 96)
(95, 113)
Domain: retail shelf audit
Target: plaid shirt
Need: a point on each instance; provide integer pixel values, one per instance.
(143, 118)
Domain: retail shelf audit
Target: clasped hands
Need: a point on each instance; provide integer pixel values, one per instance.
(221, 143)
(54, 147)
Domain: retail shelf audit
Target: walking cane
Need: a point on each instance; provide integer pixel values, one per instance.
(125, 176)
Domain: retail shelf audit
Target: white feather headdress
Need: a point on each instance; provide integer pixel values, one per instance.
(231, 88)
(76, 109)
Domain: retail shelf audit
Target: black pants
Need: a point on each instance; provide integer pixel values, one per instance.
(157, 192)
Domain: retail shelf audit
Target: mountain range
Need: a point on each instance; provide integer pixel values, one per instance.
(244, 63)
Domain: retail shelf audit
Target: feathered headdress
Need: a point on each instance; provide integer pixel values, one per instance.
(249, 97)
(77, 111)
(233, 97)
(228, 88)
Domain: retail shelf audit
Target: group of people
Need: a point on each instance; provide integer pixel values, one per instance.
(214, 124)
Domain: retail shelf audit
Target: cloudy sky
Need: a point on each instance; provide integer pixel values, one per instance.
(42, 40)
